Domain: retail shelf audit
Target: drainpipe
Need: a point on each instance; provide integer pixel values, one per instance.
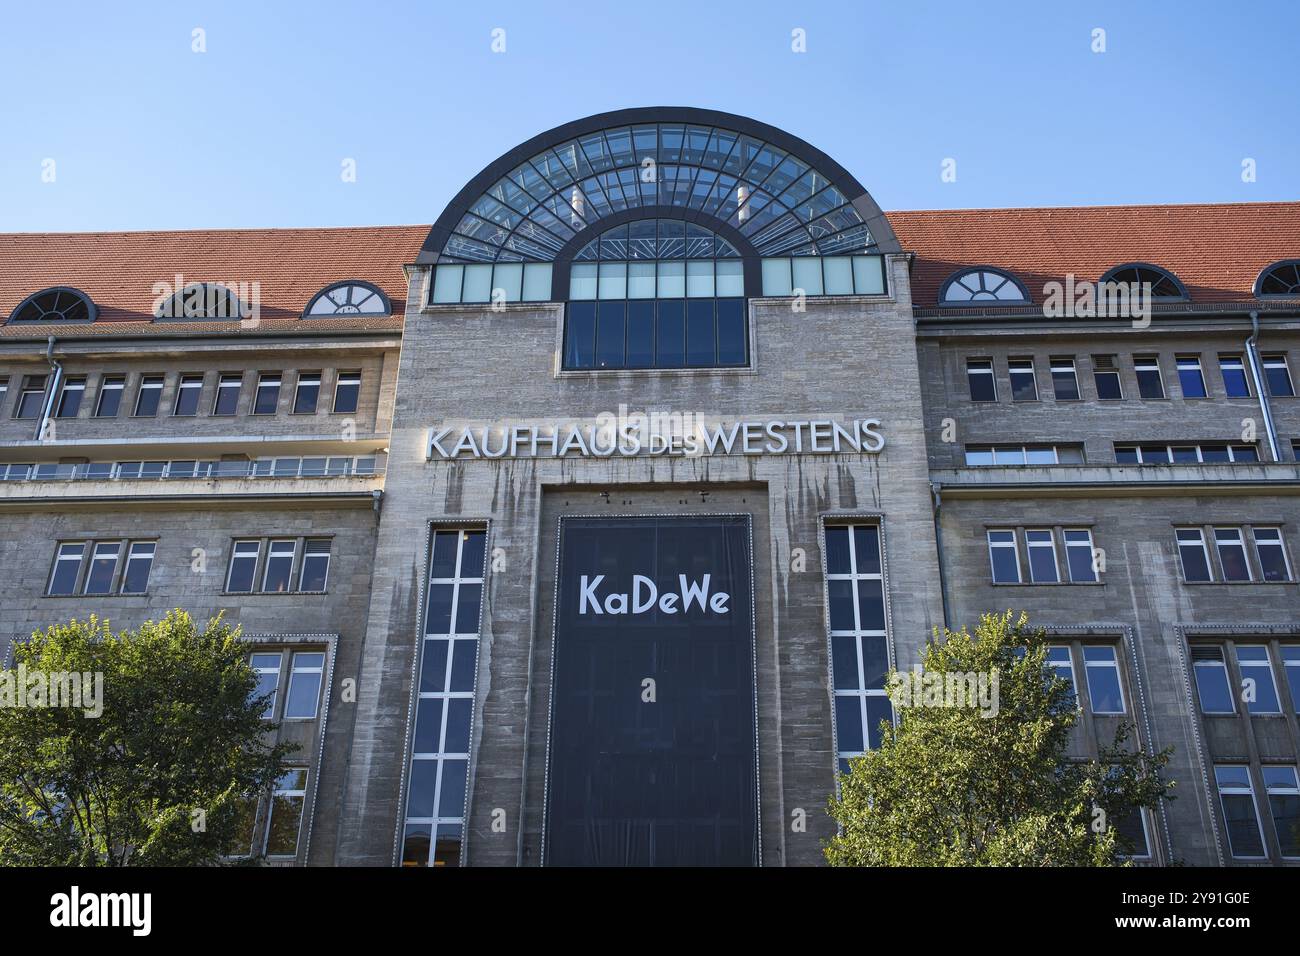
(1257, 373)
(55, 379)
(936, 493)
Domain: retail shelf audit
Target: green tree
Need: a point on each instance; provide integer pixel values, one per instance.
(961, 786)
(165, 775)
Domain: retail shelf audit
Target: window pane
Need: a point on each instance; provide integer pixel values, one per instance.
(304, 691)
(731, 332)
(1103, 680)
(837, 550)
(580, 335)
(670, 335)
(1258, 689)
(1212, 687)
(610, 320)
(701, 345)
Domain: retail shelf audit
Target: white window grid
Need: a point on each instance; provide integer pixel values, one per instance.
(1004, 544)
(1246, 790)
(1110, 663)
(1042, 539)
(1080, 539)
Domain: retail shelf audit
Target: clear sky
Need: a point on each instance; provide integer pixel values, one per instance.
(144, 133)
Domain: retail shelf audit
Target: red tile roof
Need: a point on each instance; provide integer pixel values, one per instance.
(1217, 250)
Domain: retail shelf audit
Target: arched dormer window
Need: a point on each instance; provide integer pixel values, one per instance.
(350, 297)
(983, 285)
(57, 304)
(200, 301)
(1164, 284)
(1281, 278)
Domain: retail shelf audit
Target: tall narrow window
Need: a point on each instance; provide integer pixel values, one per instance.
(1235, 383)
(110, 396)
(1105, 689)
(1105, 375)
(285, 815)
(150, 394)
(1190, 378)
(103, 568)
(1079, 556)
(306, 672)
(267, 397)
(435, 803)
(1024, 385)
(307, 393)
(187, 395)
(278, 574)
(139, 562)
(979, 375)
(227, 398)
(346, 391)
(315, 564)
(267, 668)
(74, 387)
(1147, 369)
(1240, 818)
(1270, 551)
(1041, 545)
(243, 566)
(4, 391)
(1213, 687)
(1003, 556)
(1193, 554)
(67, 566)
(1258, 689)
(859, 640)
(1284, 802)
(31, 397)
(1058, 659)
(1065, 383)
(1232, 554)
(1277, 375)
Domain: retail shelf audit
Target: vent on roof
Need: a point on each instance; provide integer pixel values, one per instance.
(58, 304)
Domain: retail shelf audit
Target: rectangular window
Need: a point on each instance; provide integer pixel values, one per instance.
(74, 387)
(103, 568)
(305, 676)
(4, 390)
(1232, 554)
(267, 669)
(1291, 666)
(1024, 384)
(31, 397)
(1105, 374)
(1194, 555)
(1003, 556)
(1284, 803)
(267, 397)
(67, 567)
(187, 395)
(1213, 687)
(278, 574)
(859, 641)
(243, 566)
(1058, 659)
(1041, 545)
(1277, 375)
(1240, 819)
(979, 375)
(149, 395)
(139, 562)
(346, 392)
(1235, 383)
(1270, 551)
(1065, 383)
(1190, 378)
(110, 396)
(1133, 830)
(1258, 689)
(307, 393)
(315, 564)
(285, 814)
(227, 398)
(435, 807)
(1079, 556)
(1105, 690)
(1147, 369)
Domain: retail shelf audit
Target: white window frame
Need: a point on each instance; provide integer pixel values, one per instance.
(294, 670)
(138, 551)
(1283, 791)
(973, 368)
(187, 381)
(147, 384)
(275, 691)
(59, 555)
(1278, 360)
(1240, 543)
(239, 551)
(272, 555)
(1049, 545)
(1249, 791)
(1113, 371)
(1277, 543)
(1221, 664)
(1063, 364)
(73, 383)
(306, 378)
(1112, 664)
(1015, 551)
(1253, 666)
(1017, 366)
(225, 380)
(1189, 363)
(1090, 547)
(116, 546)
(306, 553)
(302, 814)
(1068, 665)
(110, 383)
(1181, 544)
(352, 378)
(1233, 361)
(1149, 364)
(267, 380)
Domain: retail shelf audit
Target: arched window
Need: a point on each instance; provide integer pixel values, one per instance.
(1281, 278)
(201, 300)
(982, 285)
(351, 297)
(1164, 284)
(58, 304)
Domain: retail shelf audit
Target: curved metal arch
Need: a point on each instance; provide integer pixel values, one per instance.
(1159, 270)
(974, 303)
(1268, 270)
(868, 211)
(362, 283)
(92, 310)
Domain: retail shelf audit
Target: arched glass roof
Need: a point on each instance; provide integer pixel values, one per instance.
(777, 193)
(657, 239)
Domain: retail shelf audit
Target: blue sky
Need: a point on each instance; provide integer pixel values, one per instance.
(147, 134)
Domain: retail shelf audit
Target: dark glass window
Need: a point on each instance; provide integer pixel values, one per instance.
(1213, 688)
(150, 394)
(664, 333)
(1235, 383)
(347, 391)
(315, 565)
(228, 387)
(67, 565)
(55, 305)
(279, 566)
(1041, 547)
(307, 393)
(1237, 799)
(1147, 368)
(74, 387)
(1065, 384)
(31, 397)
(267, 396)
(640, 333)
(1105, 692)
(1284, 802)
(187, 395)
(1278, 376)
(1272, 555)
(1003, 557)
(611, 322)
(1190, 378)
(1195, 558)
(103, 568)
(979, 375)
(1106, 376)
(243, 567)
(1024, 387)
(1259, 688)
(110, 396)
(670, 334)
(139, 562)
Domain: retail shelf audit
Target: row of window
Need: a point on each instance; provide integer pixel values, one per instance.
(1126, 453)
(189, 389)
(982, 379)
(1241, 814)
(1271, 563)
(1255, 666)
(1042, 554)
(257, 565)
(293, 467)
(665, 333)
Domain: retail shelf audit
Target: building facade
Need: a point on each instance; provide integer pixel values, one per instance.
(584, 525)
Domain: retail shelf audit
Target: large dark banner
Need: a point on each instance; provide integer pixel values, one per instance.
(652, 751)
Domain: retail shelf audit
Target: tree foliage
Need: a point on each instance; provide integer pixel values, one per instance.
(951, 786)
(163, 776)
